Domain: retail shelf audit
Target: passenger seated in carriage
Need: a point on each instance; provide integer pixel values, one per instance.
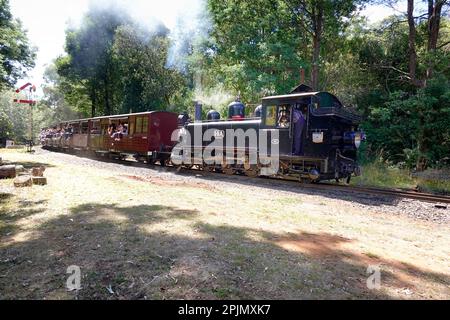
(68, 132)
(122, 130)
(111, 129)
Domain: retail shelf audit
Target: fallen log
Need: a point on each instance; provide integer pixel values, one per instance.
(41, 181)
(8, 171)
(23, 181)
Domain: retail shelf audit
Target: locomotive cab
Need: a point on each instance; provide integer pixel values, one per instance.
(317, 138)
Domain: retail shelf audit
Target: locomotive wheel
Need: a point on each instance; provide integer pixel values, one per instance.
(349, 178)
(228, 171)
(207, 168)
(252, 173)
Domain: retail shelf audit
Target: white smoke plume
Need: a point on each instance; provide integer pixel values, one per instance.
(187, 21)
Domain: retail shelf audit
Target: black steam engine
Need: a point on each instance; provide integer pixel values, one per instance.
(311, 135)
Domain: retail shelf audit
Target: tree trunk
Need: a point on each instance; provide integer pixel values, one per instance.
(421, 146)
(434, 20)
(107, 102)
(317, 39)
(93, 102)
(412, 45)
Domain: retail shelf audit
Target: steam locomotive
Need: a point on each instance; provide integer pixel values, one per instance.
(307, 135)
(303, 135)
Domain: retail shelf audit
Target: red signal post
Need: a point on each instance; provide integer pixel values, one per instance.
(31, 103)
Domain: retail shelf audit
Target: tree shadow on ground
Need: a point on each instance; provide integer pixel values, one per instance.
(32, 164)
(10, 215)
(160, 252)
(4, 197)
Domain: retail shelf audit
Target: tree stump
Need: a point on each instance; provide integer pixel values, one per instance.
(41, 181)
(23, 181)
(8, 171)
(38, 171)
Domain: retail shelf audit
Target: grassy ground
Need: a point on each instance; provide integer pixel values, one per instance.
(379, 175)
(138, 237)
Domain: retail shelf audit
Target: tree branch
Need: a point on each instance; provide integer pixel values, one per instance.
(443, 45)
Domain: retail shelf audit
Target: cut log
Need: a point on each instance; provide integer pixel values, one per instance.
(23, 181)
(19, 169)
(8, 171)
(41, 181)
(38, 171)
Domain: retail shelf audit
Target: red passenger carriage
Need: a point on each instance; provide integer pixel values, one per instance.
(147, 135)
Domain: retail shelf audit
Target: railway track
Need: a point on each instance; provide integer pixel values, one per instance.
(398, 193)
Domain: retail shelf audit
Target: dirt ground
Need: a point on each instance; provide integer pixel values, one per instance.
(152, 233)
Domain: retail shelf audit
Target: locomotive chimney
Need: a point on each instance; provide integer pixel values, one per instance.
(198, 111)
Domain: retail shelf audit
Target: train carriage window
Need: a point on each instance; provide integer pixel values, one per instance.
(95, 127)
(105, 126)
(278, 116)
(132, 125)
(84, 128)
(271, 118)
(144, 124)
(284, 116)
(139, 125)
(76, 128)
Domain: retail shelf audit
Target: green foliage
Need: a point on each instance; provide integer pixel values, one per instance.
(258, 47)
(89, 60)
(405, 121)
(380, 174)
(5, 127)
(14, 118)
(408, 125)
(255, 47)
(115, 66)
(150, 85)
(16, 55)
(54, 107)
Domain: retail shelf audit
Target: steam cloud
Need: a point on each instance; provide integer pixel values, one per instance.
(187, 21)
